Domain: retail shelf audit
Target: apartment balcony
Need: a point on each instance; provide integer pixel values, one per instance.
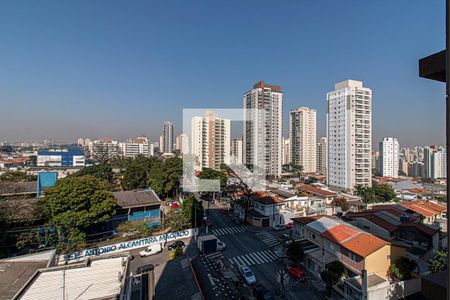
(356, 267)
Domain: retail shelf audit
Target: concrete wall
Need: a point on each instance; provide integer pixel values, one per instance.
(379, 261)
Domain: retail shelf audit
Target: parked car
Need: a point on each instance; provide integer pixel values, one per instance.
(170, 202)
(297, 273)
(290, 225)
(175, 206)
(262, 293)
(247, 274)
(175, 245)
(221, 245)
(278, 227)
(151, 250)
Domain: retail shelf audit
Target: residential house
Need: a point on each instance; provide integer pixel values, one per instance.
(429, 211)
(326, 195)
(267, 210)
(301, 205)
(335, 240)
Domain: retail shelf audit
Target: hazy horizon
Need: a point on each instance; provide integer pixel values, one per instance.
(84, 69)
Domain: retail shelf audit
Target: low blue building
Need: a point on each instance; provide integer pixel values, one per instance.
(142, 205)
(72, 156)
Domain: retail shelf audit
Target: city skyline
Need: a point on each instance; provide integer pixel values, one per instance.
(77, 67)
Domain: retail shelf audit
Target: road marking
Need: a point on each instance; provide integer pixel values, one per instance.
(254, 258)
(247, 257)
(229, 230)
(245, 260)
(267, 239)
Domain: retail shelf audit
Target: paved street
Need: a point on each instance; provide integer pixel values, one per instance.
(254, 247)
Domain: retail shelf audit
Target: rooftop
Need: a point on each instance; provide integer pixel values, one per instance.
(14, 188)
(323, 224)
(127, 199)
(428, 230)
(316, 191)
(306, 220)
(99, 279)
(372, 281)
(424, 208)
(16, 271)
(339, 233)
(364, 244)
(265, 198)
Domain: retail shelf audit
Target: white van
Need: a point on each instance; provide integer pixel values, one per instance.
(150, 250)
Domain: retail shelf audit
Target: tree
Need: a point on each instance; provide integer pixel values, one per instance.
(100, 171)
(73, 204)
(133, 230)
(439, 262)
(17, 176)
(401, 269)
(296, 170)
(383, 192)
(165, 179)
(208, 173)
(172, 170)
(191, 209)
(137, 172)
(376, 193)
(175, 220)
(342, 203)
(331, 275)
(366, 193)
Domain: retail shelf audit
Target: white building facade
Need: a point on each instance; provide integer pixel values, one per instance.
(349, 136)
(211, 142)
(303, 138)
(389, 157)
(439, 164)
(263, 125)
(138, 146)
(182, 144)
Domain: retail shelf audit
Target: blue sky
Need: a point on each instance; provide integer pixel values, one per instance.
(121, 68)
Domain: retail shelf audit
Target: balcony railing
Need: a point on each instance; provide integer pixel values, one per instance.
(355, 266)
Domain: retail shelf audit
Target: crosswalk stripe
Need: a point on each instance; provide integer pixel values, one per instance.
(256, 258)
(245, 260)
(228, 230)
(241, 263)
(264, 256)
(248, 257)
(271, 255)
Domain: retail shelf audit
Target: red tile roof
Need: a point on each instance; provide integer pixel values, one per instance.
(417, 190)
(425, 208)
(317, 191)
(265, 198)
(364, 244)
(339, 233)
